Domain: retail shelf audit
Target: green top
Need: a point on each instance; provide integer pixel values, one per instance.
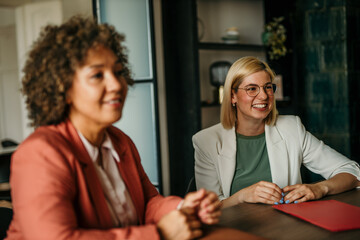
(252, 162)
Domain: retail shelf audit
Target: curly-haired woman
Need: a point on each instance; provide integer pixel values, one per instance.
(77, 176)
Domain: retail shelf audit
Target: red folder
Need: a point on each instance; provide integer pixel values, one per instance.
(329, 214)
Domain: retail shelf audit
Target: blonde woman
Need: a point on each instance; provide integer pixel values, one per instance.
(255, 156)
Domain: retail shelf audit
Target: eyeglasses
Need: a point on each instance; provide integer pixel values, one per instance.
(253, 90)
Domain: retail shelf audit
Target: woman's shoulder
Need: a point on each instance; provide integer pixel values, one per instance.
(44, 141)
(213, 130)
(215, 133)
(288, 126)
(287, 121)
(45, 135)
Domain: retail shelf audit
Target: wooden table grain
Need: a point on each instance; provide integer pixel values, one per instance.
(266, 222)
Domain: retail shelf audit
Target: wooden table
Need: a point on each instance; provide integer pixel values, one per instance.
(264, 221)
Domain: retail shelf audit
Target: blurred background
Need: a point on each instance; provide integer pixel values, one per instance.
(174, 50)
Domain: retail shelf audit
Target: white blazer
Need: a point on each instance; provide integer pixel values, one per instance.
(288, 145)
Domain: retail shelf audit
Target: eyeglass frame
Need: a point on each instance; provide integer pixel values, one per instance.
(255, 85)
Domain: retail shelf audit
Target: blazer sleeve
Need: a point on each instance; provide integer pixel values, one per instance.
(321, 159)
(206, 174)
(43, 193)
(156, 205)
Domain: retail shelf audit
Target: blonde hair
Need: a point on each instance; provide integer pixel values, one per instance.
(240, 69)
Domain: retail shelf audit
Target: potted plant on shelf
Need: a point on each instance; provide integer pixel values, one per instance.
(274, 37)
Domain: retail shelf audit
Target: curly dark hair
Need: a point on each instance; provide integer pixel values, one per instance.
(51, 64)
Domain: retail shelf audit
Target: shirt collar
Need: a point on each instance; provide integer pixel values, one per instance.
(94, 151)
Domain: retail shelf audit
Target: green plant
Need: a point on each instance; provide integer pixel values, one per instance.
(274, 37)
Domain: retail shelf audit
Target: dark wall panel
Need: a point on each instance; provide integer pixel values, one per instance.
(182, 89)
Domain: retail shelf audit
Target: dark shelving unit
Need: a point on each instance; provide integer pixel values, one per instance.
(228, 46)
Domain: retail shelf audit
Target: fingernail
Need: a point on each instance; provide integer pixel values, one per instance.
(281, 201)
(296, 202)
(276, 203)
(287, 201)
(283, 194)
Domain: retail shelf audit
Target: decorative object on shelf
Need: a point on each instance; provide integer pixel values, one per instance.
(279, 95)
(274, 37)
(218, 72)
(232, 36)
(201, 29)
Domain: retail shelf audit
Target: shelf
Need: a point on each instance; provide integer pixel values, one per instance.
(224, 46)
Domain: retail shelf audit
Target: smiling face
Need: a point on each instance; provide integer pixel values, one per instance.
(98, 92)
(253, 109)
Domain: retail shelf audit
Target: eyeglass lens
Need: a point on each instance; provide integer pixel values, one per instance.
(252, 91)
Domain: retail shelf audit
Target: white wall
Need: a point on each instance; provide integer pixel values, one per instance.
(7, 16)
(217, 16)
(10, 113)
(73, 7)
(13, 123)
(30, 18)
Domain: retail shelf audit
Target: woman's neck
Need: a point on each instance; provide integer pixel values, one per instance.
(250, 128)
(95, 138)
(93, 133)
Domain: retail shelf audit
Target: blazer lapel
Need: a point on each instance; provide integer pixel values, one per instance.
(278, 156)
(133, 185)
(91, 178)
(227, 158)
(129, 174)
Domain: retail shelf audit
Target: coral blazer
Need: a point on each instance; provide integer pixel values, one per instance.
(57, 194)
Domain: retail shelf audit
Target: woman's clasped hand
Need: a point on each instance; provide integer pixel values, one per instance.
(271, 193)
(261, 192)
(197, 208)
